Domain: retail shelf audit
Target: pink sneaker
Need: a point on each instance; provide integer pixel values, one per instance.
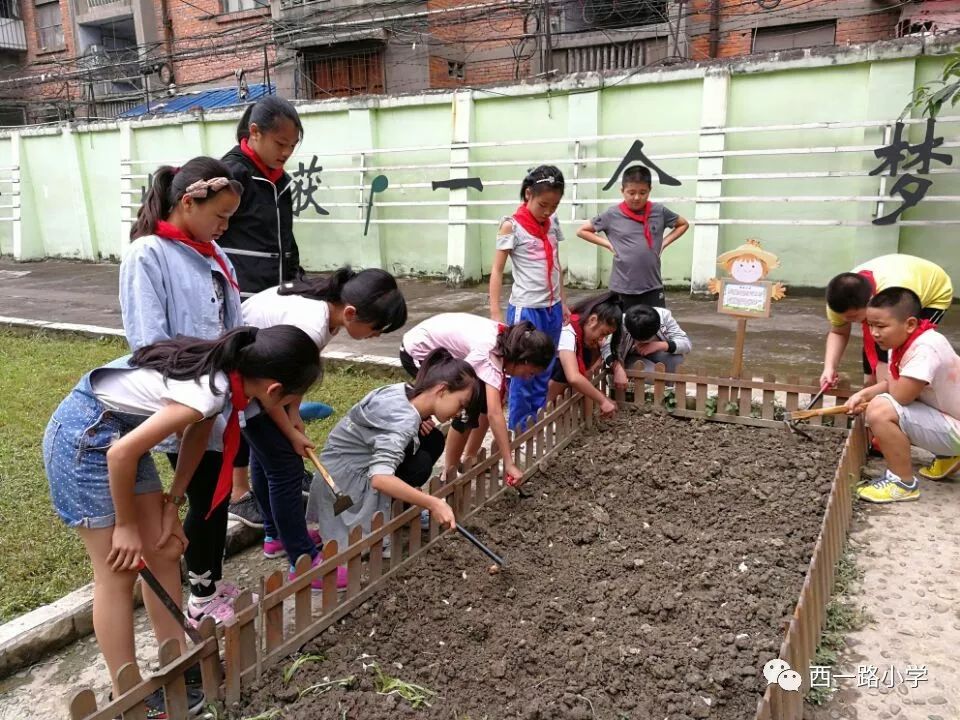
(317, 585)
(273, 547)
(220, 609)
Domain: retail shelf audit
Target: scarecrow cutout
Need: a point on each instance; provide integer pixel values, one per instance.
(745, 293)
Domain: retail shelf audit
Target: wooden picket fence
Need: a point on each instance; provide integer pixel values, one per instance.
(288, 613)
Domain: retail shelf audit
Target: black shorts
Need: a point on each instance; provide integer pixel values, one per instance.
(934, 315)
(460, 424)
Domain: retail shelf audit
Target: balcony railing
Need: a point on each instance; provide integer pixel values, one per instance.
(12, 36)
(100, 7)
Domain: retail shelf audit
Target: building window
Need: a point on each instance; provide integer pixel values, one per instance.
(354, 71)
(792, 37)
(456, 70)
(49, 26)
(234, 6)
(10, 9)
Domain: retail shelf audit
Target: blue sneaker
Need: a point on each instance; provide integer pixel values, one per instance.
(311, 411)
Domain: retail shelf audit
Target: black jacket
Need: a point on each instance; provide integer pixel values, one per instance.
(260, 239)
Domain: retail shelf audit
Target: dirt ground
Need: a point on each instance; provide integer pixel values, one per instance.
(648, 574)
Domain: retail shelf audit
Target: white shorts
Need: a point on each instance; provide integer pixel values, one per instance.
(927, 427)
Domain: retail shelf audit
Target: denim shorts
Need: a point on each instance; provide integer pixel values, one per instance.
(75, 446)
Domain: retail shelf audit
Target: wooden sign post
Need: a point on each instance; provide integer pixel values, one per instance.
(745, 294)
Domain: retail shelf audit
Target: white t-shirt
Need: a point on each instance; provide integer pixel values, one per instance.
(931, 359)
(467, 337)
(568, 339)
(269, 308)
(142, 391)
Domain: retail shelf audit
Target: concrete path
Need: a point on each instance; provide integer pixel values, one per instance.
(910, 557)
(788, 343)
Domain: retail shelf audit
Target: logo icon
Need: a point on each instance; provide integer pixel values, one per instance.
(779, 672)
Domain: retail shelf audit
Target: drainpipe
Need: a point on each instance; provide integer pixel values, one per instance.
(714, 28)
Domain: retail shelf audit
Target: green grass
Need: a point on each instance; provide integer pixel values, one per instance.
(40, 559)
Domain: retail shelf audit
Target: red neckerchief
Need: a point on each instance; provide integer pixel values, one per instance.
(231, 441)
(541, 231)
(578, 350)
(271, 175)
(896, 355)
(869, 346)
(642, 219)
(171, 232)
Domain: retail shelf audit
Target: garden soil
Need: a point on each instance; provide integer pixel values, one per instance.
(649, 574)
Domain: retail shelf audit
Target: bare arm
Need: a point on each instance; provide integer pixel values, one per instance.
(568, 360)
(837, 340)
(396, 488)
(587, 232)
(496, 283)
(679, 229)
(498, 426)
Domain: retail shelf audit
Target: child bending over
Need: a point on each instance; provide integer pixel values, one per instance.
(651, 336)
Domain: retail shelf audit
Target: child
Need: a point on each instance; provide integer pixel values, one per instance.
(373, 454)
(531, 239)
(175, 280)
(919, 404)
(494, 351)
(365, 304)
(591, 322)
(260, 239)
(634, 234)
(96, 451)
(652, 336)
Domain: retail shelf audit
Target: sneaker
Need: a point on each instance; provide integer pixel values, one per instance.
(246, 510)
(424, 519)
(307, 483)
(889, 488)
(317, 585)
(229, 590)
(311, 411)
(218, 607)
(273, 547)
(941, 468)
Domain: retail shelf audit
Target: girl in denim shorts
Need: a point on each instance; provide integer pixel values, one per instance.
(96, 450)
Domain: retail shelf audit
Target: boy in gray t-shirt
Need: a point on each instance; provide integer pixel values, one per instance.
(634, 234)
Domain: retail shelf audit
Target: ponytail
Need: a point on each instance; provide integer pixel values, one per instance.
(170, 184)
(441, 368)
(266, 113)
(283, 353)
(522, 343)
(373, 292)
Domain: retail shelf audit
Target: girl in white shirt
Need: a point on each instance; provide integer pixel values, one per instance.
(103, 481)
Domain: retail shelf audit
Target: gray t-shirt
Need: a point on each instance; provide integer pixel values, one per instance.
(636, 266)
(530, 288)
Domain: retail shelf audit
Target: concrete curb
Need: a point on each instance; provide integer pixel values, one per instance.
(26, 639)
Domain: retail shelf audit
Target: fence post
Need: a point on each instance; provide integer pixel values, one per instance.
(706, 234)
(463, 240)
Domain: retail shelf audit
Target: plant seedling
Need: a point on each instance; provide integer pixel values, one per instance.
(322, 687)
(293, 668)
(417, 695)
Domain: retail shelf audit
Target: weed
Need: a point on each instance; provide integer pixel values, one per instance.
(416, 695)
(268, 715)
(842, 618)
(322, 687)
(293, 668)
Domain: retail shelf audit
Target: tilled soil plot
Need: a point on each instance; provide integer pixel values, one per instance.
(648, 574)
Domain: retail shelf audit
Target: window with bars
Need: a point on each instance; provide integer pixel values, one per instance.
(10, 9)
(791, 37)
(49, 25)
(358, 71)
(233, 6)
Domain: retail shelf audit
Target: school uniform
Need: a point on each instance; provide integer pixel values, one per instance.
(622, 346)
(105, 405)
(168, 288)
(378, 436)
(536, 296)
(932, 421)
(259, 239)
(570, 341)
(926, 279)
(470, 338)
(637, 239)
(276, 470)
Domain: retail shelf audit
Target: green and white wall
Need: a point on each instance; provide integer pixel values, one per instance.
(778, 149)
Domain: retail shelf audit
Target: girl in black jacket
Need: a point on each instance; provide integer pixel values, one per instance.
(260, 239)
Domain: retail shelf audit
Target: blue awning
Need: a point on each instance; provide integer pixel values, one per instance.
(199, 100)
